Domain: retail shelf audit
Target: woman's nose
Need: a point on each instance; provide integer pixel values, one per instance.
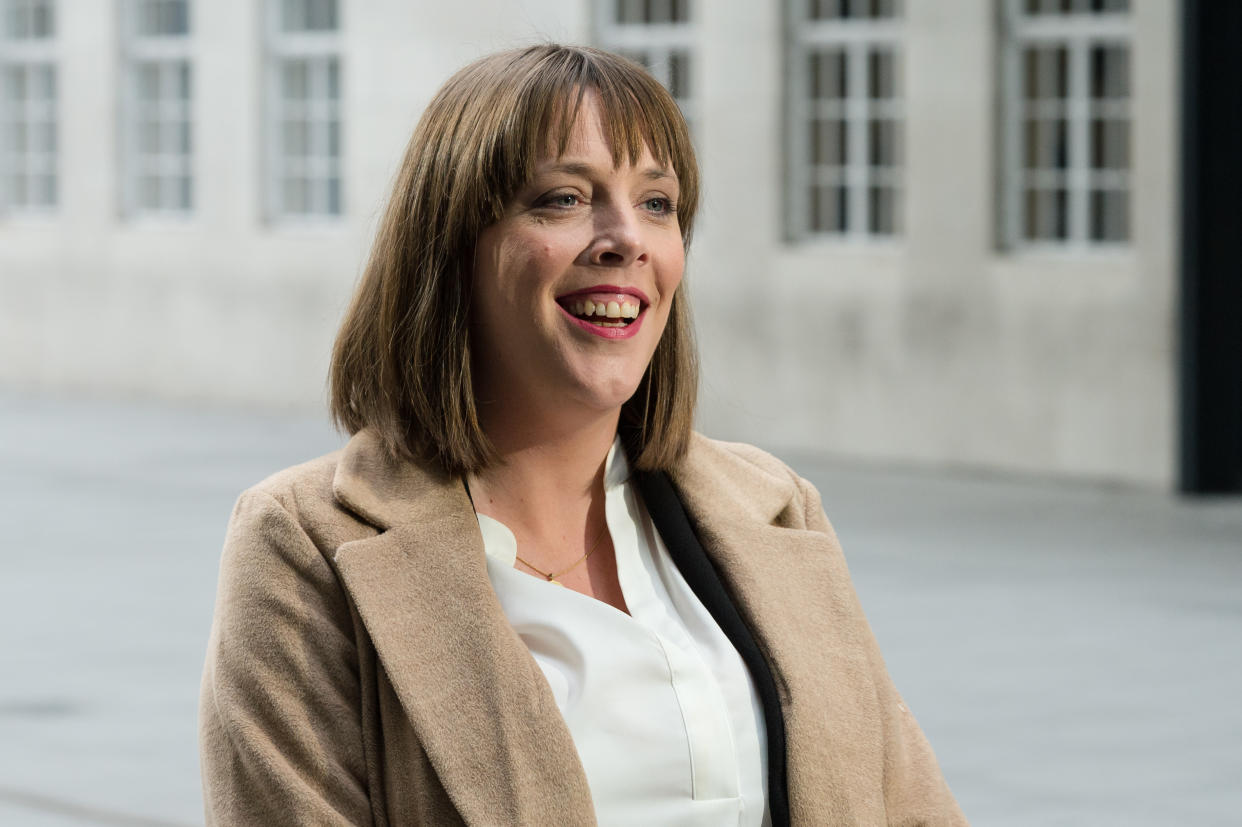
(618, 238)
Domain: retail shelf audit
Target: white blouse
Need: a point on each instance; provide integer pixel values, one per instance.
(663, 712)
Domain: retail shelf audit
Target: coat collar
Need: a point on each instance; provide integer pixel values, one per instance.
(480, 706)
(479, 703)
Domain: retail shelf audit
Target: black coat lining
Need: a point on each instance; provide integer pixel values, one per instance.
(671, 520)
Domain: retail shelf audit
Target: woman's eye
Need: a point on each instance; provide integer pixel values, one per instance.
(561, 199)
(658, 205)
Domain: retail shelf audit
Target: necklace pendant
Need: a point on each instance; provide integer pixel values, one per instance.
(556, 582)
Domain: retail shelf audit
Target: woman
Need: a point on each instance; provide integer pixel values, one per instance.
(524, 592)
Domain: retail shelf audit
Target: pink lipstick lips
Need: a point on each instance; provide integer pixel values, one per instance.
(606, 310)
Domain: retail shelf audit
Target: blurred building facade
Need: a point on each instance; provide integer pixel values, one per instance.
(933, 232)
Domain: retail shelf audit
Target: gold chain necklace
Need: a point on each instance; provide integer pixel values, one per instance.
(551, 577)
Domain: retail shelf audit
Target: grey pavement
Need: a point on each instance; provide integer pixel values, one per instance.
(1071, 650)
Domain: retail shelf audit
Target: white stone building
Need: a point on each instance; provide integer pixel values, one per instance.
(937, 231)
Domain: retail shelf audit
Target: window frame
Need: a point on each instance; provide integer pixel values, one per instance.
(1078, 32)
(312, 45)
(856, 37)
(29, 52)
(658, 41)
(166, 52)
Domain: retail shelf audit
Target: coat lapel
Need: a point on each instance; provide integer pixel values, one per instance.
(477, 700)
(792, 587)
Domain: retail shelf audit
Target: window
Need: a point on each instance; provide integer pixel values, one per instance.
(845, 118)
(28, 127)
(656, 34)
(157, 100)
(1067, 122)
(304, 112)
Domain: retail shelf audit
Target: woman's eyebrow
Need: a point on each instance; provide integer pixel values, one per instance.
(585, 170)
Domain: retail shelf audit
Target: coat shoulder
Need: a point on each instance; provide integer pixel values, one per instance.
(305, 492)
(739, 456)
(747, 479)
(299, 482)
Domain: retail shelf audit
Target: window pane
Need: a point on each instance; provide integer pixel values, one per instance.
(149, 137)
(1046, 73)
(185, 192)
(829, 142)
(41, 24)
(1110, 72)
(1046, 144)
(45, 188)
(1047, 214)
(322, 15)
(1110, 143)
(295, 80)
(334, 196)
(296, 138)
(333, 73)
(1109, 215)
(679, 75)
(308, 15)
(334, 138)
(43, 86)
(162, 18)
(824, 9)
(656, 11)
(149, 192)
(16, 137)
(15, 82)
(881, 210)
(827, 75)
(881, 71)
(296, 196)
(829, 209)
(883, 8)
(882, 143)
(148, 77)
(31, 19)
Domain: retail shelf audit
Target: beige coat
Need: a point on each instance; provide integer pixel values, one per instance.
(360, 669)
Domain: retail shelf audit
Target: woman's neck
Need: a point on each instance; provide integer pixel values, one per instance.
(547, 479)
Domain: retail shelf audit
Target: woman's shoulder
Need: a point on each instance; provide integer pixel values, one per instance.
(303, 490)
(739, 462)
(746, 479)
(739, 455)
(301, 498)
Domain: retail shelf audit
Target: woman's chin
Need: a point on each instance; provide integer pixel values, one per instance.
(605, 397)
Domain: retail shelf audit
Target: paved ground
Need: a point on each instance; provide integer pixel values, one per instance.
(1072, 651)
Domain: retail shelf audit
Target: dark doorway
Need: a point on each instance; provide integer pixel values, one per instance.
(1211, 254)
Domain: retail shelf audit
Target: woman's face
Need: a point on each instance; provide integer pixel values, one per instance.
(573, 286)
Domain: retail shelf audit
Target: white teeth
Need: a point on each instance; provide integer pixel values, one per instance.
(590, 309)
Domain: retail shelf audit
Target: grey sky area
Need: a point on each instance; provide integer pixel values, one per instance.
(1071, 651)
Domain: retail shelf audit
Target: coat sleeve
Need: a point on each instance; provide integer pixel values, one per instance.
(915, 792)
(279, 717)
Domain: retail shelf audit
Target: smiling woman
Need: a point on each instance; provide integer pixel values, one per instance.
(525, 592)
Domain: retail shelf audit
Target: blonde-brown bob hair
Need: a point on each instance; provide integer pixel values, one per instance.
(402, 360)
